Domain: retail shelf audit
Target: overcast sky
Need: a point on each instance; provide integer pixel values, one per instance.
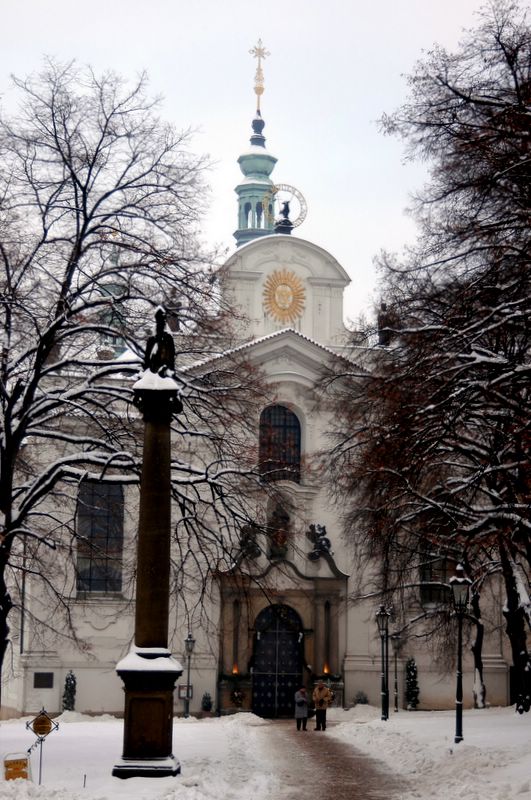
(335, 67)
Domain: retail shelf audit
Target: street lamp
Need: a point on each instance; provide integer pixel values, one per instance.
(189, 643)
(460, 586)
(382, 620)
(397, 642)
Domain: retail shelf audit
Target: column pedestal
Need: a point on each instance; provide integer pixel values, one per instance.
(149, 680)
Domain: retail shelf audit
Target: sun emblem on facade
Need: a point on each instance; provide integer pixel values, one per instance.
(284, 296)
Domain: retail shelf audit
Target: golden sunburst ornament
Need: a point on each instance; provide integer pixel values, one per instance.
(284, 296)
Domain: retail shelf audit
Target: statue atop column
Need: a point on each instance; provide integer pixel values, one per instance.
(160, 349)
(158, 378)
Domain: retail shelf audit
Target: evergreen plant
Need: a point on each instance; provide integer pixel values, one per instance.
(69, 694)
(412, 686)
(206, 702)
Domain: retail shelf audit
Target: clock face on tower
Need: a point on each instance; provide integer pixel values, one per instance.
(283, 296)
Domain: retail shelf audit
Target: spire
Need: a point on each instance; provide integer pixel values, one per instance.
(259, 52)
(255, 192)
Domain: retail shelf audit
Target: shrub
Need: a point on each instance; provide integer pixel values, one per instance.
(361, 699)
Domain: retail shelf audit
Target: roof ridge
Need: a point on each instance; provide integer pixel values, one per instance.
(267, 337)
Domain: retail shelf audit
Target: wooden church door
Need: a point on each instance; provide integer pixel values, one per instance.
(277, 662)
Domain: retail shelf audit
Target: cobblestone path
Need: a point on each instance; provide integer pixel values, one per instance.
(314, 765)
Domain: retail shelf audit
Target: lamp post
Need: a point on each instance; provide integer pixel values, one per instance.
(460, 586)
(396, 642)
(382, 620)
(189, 643)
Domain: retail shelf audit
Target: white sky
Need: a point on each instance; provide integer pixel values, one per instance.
(335, 67)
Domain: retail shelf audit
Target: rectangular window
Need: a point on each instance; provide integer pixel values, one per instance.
(435, 572)
(43, 680)
(100, 522)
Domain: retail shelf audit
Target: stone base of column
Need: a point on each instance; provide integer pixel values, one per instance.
(148, 768)
(149, 675)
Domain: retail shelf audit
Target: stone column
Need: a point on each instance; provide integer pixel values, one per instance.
(149, 672)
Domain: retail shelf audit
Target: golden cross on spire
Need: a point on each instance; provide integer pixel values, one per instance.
(259, 52)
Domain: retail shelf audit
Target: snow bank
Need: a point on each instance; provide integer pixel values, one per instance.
(230, 758)
(221, 758)
(493, 761)
(75, 716)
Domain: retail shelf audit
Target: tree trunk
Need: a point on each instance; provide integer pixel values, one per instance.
(480, 691)
(5, 606)
(516, 631)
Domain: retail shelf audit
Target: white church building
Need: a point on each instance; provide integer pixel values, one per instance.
(291, 616)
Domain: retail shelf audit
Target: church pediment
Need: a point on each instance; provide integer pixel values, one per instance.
(279, 281)
(289, 355)
(286, 355)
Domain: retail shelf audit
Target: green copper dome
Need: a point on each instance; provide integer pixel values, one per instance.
(255, 198)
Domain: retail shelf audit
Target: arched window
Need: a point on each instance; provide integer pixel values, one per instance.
(100, 532)
(246, 215)
(280, 445)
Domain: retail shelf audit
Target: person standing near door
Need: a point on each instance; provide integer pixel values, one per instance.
(322, 697)
(301, 708)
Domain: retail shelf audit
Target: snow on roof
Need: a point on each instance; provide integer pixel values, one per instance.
(267, 338)
(128, 357)
(256, 150)
(260, 181)
(293, 238)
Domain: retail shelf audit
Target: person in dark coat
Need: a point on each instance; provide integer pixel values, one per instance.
(301, 708)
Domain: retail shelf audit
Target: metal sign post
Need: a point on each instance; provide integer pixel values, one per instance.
(41, 726)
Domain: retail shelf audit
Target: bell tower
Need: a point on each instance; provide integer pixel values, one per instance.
(255, 192)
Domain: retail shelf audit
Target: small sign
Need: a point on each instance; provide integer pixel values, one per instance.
(16, 765)
(41, 725)
(185, 692)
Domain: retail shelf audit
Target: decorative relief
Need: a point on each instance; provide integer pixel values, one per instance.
(284, 296)
(321, 543)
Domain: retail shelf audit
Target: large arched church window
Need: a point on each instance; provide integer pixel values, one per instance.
(279, 445)
(100, 534)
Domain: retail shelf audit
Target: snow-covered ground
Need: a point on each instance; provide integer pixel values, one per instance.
(231, 758)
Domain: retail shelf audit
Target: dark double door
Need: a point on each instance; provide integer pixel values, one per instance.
(277, 662)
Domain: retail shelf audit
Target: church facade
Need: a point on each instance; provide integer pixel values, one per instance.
(288, 612)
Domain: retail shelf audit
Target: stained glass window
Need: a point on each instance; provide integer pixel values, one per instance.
(280, 445)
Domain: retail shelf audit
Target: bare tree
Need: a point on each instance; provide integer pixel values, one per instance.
(99, 224)
(440, 449)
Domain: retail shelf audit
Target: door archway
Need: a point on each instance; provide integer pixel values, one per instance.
(277, 661)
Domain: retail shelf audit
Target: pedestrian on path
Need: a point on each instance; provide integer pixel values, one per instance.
(322, 697)
(301, 708)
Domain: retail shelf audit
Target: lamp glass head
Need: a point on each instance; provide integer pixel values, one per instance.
(382, 619)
